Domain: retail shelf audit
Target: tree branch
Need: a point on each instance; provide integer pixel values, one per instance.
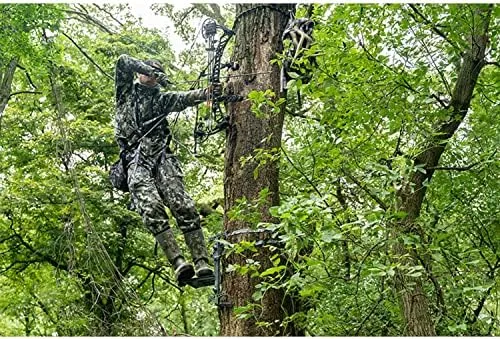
(90, 19)
(6, 239)
(143, 281)
(27, 76)
(438, 69)
(42, 257)
(44, 308)
(301, 114)
(82, 7)
(157, 271)
(493, 63)
(480, 306)
(451, 168)
(109, 13)
(380, 299)
(305, 177)
(186, 13)
(345, 245)
(310, 10)
(214, 13)
(364, 188)
(441, 101)
(437, 287)
(434, 28)
(460, 169)
(24, 92)
(87, 56)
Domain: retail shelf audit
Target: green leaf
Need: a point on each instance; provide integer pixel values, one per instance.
(273, 270)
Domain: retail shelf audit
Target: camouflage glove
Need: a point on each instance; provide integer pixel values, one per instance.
(162, 79)
(215, 89)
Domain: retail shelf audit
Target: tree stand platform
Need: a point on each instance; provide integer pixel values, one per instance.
(198, 282)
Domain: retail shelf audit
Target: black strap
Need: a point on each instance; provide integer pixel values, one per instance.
(139, 136)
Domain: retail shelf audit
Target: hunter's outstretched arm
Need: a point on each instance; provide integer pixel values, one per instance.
(178, 101)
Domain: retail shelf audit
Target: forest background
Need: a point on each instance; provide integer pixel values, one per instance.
(379, 188)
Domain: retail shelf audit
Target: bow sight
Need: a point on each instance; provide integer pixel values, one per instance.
(216, 120)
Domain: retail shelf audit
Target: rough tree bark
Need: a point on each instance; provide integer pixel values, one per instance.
(6, 85)
(259, 28)
(414, 301)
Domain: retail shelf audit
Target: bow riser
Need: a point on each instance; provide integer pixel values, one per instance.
(216, 120)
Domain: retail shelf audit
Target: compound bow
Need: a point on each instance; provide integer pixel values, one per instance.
(216, 120)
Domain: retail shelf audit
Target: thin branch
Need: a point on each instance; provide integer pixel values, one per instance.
(480, 306)
(153, 289)
(451, 168)
(44, 308)
(310, 10)
(305, 177)
(157, 271)
(8, 267)
(87, 56)
(43, 257)
(90, 19)
(83, 8)
(437, 287)
(397, 151)
(433, 26)
(24, 92)
(27, 76)
(493, 63)
(380, 299)
(364, 188)
(143, 281)
(345, 244)
(6, 239)
(214, 13)
(109, 13)
(407, 85)
(301, 114)
(460, 169)
(186, 13)
(361, 264)
(370, 55)
(441, 102)
(127, 269)
(429, 54)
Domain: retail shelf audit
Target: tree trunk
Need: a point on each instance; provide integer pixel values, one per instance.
(6, 85)
(258, 38)
(414, 301)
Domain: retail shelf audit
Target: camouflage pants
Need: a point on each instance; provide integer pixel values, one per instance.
(158, 183)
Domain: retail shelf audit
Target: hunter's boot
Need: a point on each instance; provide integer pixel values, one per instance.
(183, 270)
(196, 243)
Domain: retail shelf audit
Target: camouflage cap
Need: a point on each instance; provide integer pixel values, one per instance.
(156, 64)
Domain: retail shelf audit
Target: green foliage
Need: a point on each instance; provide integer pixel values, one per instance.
(383, 83)
(22, 26)
(64, 232)
(371, 107)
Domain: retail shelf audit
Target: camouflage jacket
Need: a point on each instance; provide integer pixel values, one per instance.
(139, 107)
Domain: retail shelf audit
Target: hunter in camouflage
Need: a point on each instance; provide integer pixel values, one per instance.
(155, 179)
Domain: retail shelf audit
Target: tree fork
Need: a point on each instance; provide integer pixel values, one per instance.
(414, 301)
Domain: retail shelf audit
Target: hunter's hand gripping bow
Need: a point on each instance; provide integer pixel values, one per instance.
(216, 120)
